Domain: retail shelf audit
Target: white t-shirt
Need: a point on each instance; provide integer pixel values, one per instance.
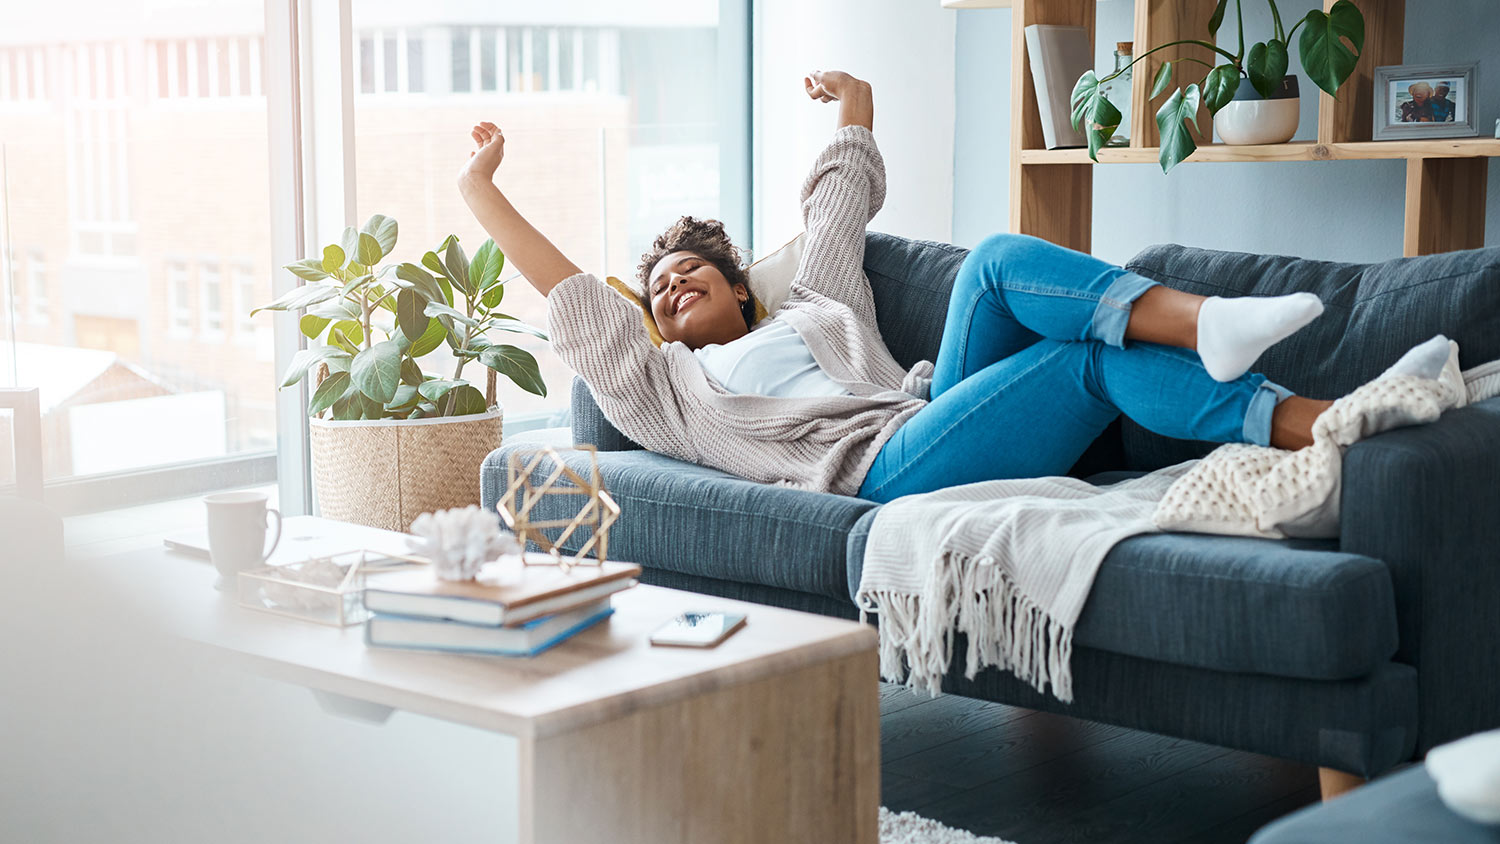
(771, 360)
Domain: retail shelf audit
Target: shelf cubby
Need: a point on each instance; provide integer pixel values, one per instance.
(1052, 190)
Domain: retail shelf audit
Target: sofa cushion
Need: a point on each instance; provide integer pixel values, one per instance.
(1289, 608)
(1373, 313)
(1398, 809)
(695, 520)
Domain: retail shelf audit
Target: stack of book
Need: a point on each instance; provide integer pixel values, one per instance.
(523, 616)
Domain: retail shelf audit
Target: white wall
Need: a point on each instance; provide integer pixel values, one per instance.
(1343, 210)
(904, 49)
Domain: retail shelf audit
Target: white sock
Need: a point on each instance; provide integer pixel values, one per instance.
(1424, 360)
(1234, 333)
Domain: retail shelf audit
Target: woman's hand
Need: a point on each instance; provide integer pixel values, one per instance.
(856, 104)
(490, 151)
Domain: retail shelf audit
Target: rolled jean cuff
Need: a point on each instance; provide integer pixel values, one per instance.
(1262, 406)
(1112, 313)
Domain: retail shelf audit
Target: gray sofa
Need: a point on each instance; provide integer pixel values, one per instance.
(1353, 654)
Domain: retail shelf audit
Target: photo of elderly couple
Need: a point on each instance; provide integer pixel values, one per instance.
(1426, 100)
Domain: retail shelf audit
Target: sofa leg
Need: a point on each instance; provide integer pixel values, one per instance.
(1335, 783)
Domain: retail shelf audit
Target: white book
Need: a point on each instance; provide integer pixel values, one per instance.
(530, 639)
(1058, 55)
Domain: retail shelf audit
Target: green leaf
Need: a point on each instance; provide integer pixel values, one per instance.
(349, 242)
(1173, 119)
(457, 264)
(371, 408)
(1084, 92)
(466, 400)
(335, 309)
(410, 372)
(434, 309)
(369, 252)
(435, 390)
(430, 339)
(333, 258)
(305, 359)
(406, 395)
(350, 330)
(485, 268)
(377, 370)
(312, 326)
(1266, 66)
(493, 296)
(409, 315)
(308, 268)
(1217, 18)
(383, 229)
(432, 262)
(514, 326)
(516, 364)
(328, 392)
(299, 298)
(1163, 79)
(1325, 57)
(348, 405)
(1219, 86)
(421, 281)
(355, 268)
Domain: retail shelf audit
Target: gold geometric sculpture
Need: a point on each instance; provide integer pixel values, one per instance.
(599, 510)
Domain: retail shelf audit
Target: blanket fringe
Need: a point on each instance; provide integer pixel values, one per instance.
(1004, 629)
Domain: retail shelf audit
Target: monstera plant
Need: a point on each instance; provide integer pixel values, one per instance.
(1329, 43)
(376, 324)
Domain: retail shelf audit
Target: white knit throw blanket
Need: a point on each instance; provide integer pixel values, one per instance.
(1009, 564)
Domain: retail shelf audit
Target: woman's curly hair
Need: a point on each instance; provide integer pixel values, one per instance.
(707, 239)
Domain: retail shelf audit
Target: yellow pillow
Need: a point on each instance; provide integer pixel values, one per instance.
(765, 280)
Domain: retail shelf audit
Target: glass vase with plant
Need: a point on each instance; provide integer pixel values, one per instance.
(1329, 44)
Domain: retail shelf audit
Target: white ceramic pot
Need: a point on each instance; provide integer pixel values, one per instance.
(1249, 119)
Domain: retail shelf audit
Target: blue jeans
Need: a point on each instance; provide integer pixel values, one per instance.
(1034, 366)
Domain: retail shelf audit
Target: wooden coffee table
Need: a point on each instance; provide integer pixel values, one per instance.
(771, 736)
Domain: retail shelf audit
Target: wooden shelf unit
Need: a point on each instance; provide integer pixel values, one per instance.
(1052, 190)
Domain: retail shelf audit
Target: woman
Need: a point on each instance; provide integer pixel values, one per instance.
(1042, 349)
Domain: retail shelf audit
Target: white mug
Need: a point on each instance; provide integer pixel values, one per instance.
(237, 533)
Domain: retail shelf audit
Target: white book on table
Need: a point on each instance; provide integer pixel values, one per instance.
(1058, 55)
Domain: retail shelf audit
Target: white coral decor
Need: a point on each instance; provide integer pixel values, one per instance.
(460, 541)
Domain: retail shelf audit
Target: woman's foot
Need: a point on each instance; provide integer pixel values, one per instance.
(1234, 333)
(1424, 360)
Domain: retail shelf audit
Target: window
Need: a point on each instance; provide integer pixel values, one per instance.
(96, 130)
(212, 320)
(179, 300)
(200, 68)
(247, 297)
(36, 288)
(23, 74)
(598, 155)
(390, 61)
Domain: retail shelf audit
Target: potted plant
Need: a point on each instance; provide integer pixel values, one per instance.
(391, 441)
(1251, 96)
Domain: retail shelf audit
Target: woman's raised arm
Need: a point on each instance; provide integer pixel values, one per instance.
(525, 248)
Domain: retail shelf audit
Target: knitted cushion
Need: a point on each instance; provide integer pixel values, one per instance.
(1374, 313)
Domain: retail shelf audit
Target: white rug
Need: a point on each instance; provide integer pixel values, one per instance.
(912, 828)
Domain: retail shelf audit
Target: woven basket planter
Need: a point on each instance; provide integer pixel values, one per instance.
(386, 472)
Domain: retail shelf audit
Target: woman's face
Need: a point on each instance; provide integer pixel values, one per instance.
(693, 303)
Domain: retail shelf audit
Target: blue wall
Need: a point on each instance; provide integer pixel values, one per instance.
(1344, 210)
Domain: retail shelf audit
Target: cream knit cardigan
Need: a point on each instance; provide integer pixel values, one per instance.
(663, 399)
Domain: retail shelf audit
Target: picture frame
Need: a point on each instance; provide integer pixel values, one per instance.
(1425, 101)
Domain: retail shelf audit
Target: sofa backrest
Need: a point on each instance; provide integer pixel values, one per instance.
(911, 280)
(1372, 314)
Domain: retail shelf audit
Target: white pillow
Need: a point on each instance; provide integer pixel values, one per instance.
(771, 276)
(1467, 773)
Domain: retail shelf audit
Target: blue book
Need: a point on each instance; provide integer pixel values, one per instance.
(529, 639)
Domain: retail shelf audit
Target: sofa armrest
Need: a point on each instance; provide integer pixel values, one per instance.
(589, 425)
(1426, 501)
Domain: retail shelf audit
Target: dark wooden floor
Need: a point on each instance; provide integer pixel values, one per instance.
(1037, 778)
